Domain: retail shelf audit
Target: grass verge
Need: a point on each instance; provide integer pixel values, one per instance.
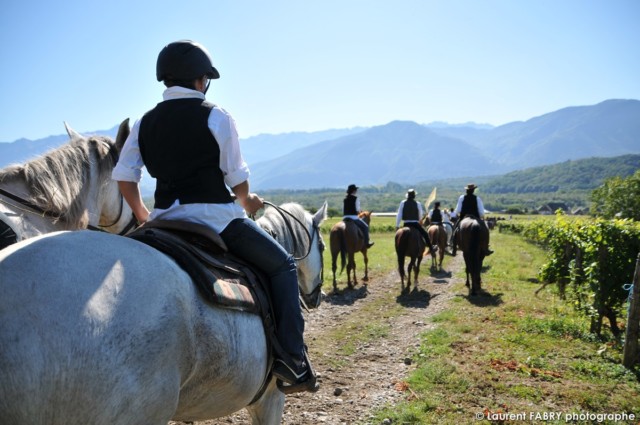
(511, 356)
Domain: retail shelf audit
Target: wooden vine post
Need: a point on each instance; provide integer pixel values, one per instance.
(630, 354)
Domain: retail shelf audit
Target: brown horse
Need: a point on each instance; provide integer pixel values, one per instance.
(472, 237)
(347, 239)
(438, 238)
(409, 243)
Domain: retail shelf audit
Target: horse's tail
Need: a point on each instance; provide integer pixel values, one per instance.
(401, 250)
(401, 245)
(475, 246)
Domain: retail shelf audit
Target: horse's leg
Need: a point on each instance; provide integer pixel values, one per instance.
(268, 409)
(366, 266)
(482, 255)
(410, 268)
(466, 268)
(418, 261)
(351, 270)
(401, 268)
(334, 257)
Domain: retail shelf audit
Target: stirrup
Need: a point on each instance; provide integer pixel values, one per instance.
(310, 385)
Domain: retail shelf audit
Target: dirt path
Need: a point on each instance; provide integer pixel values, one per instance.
(372, 376)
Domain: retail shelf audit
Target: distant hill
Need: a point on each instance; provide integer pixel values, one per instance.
(570, 182)
(265, 147)
(408, 152)
(581, 174)
(610, 128)
(398, 151)
(23, 150)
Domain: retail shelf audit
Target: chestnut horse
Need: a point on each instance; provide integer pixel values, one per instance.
(347, 239)
(409, 243)
(438, 238)
(471, 238)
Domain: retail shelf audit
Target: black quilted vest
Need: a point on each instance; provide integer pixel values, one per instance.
(349, 205)
(436, 216)
(179, 150)
(410, 210)
(469, 206)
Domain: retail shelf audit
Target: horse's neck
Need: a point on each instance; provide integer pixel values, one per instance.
(32, 222)
(26, 221)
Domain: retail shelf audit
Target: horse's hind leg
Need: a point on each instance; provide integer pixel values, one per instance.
(334, 257)
(401, 269)
(269, 408)
(351, 271)
(366, 267)
(410, 268)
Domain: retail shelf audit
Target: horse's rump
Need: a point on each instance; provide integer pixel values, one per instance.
(119, 325)
(409, 242)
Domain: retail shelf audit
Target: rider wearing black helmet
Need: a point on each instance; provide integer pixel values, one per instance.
(191, 147)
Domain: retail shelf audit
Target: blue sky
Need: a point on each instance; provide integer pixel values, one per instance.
(313, 65)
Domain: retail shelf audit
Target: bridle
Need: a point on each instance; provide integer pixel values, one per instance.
(36, 209)
(133, 222)
(316, 233)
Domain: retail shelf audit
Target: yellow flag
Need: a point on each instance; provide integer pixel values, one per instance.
(431, 198)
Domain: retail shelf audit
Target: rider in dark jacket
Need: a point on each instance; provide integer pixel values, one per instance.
(191, 147)
(351, 209)
(469, 204)
(410, 212)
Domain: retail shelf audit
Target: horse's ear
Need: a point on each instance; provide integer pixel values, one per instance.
(321, 214)
(123, 133)
(71, 132)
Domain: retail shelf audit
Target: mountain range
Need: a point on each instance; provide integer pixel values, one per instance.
(409, 152)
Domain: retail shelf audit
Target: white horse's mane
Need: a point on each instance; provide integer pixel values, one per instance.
(275, 221)
(57, 180)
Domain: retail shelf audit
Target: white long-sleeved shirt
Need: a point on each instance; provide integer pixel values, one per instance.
(233, 166)
(456, 212)
(400, 210)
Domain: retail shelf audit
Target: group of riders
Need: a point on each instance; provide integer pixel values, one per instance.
(411, 213)
(191, 147)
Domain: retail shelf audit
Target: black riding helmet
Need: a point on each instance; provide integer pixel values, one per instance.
(184, 60)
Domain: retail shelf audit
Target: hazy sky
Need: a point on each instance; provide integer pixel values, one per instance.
(313, 65)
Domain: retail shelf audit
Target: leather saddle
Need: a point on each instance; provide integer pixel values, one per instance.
(221, 278)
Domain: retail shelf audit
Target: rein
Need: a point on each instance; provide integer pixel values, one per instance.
(45, 213)
(282, 212)
(28, 204)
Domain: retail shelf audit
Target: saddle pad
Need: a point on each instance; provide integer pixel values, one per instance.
(220, 279)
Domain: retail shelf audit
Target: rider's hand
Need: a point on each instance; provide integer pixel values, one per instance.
(252, 203)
